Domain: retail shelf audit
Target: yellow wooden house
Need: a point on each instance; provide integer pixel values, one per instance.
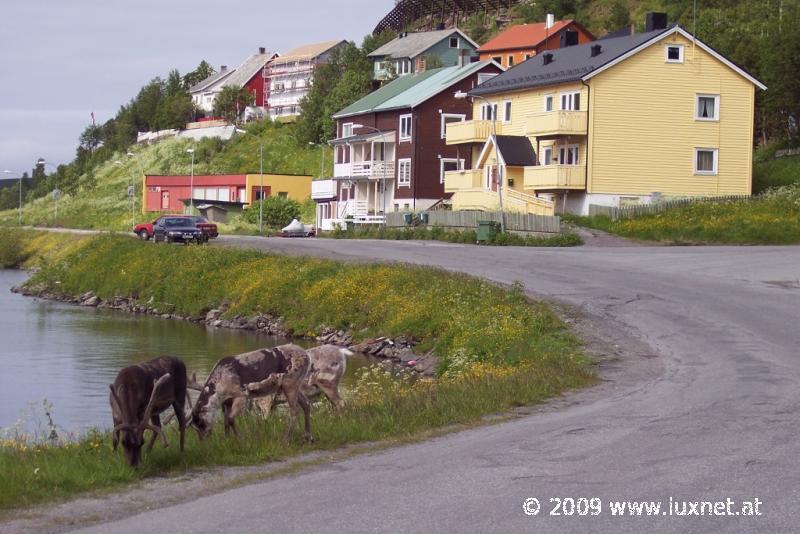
(615, 122)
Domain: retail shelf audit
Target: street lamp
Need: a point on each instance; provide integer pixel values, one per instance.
(261, 173)
(20, 193)
(461, 95)
(191, 183)
(56, 191)
(132, 188)
(383, 143)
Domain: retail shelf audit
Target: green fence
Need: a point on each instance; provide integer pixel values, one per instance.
(630, 212)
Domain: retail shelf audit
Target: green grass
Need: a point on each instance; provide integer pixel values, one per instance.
(568, 239)
(775, 173)
(770, 219)
(498, 349)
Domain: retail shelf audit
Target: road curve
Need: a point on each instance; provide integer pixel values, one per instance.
(715, 417)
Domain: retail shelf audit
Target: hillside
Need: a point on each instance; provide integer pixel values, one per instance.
(101, 201)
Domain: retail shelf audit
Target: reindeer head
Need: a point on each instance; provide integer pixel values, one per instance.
(204, 410)
(132, 433)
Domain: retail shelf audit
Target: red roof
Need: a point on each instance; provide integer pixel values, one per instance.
(523, 36)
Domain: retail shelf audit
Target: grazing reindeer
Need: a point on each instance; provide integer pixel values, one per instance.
(328, 365)
(138, 395)
(254, 374)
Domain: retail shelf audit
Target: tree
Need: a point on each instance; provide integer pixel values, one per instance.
(204, 70)
(91, 137)
(619, 18)
(231, 101)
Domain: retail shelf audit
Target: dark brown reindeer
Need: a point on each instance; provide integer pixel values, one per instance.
(138, 395)
(234, 380)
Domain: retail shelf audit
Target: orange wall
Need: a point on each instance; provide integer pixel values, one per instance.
(520, 54)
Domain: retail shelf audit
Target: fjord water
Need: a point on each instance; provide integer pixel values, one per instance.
(69, 354)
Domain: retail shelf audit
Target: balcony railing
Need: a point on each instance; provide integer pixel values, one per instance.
(369, 169)
(557, 123)
(323, 189)
(555, 177)
(476, 131)
(466, 179)
(481, 199)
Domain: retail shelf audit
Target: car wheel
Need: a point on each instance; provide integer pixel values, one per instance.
(143, 235)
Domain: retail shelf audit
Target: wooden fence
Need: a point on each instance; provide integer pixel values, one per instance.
(630, 212)
(465, 220)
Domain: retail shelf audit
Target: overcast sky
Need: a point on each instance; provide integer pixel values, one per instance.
(62, 59)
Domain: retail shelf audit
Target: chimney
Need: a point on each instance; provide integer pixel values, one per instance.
(223, 68)
(569, 38)
(655, 21)
(262, 50)
(420, 65)
(596, 49)
(441, 26)
(462, 57)
(547, 58)
(550, 21)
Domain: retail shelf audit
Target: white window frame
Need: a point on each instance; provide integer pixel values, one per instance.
(404, 178)
(458, 161)
(458, 42)
(552, 98)
(715, 160)
(403, 137)
(510, 60)
(460, 116)
(680, 53)
(347, 127)
(563, 150)
(697, 116)
(484, 77)
(507, 110)
(491, 107)
(547, 155)
(570, 96)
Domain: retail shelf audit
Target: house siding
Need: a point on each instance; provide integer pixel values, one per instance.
(643, 131)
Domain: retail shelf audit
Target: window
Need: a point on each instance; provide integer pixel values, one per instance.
(485, 77)
(347, 129)
(507, 111)
(449, 164)
(283, 194)
(404, 173)
(405, 127)
(211, 194)
(449, 118)
(571, 101)
(673, 53)
(548, 103)
(454, 42)
(528, 56)
(402, 67)
(489, 112)
(224, 194)
(510, 61)
(706, 160)
(547, 156)
(568, 155)
(498, 60)
(707, 108)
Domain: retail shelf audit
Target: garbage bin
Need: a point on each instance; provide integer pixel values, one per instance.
(487, 230)
(408, 218)
(350, 225)
(423, 218)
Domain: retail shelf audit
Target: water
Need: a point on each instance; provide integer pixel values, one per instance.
(69, 355)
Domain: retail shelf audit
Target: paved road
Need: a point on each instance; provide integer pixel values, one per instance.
(715, 416)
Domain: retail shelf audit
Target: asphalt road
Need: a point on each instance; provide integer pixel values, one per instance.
(708, 411)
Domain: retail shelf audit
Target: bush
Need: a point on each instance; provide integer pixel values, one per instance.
(278, 212)
(438, 233)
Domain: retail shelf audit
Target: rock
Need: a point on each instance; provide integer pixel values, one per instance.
(165, 316)
(406, 355)
(91, 301)
(216, 323)
(213, 315)
(426, 365)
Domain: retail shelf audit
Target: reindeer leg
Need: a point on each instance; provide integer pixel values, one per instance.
(332, 394)
(226, 408)
(238, 405)
(304, 404)
(156, 420)
(180, 414)
(292, 401)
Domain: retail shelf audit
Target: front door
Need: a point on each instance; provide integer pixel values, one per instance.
(165, 200)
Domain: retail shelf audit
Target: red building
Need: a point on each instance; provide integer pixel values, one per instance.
(167, 193)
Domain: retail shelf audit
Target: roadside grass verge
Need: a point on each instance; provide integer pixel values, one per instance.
(498, 349)
(772, 218)
(567, 239)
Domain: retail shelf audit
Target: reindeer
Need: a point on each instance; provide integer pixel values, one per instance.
(138, 395)
(328, 365)
(234, 380)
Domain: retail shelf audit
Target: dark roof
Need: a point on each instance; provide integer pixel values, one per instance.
(516, 150)
(569, 64)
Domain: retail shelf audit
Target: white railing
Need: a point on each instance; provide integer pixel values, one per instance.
(373, 169)
(323, 189)
(352, 208)
(342, 170)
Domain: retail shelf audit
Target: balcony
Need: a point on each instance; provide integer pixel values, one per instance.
(481, 199)
(476, 131)
(555, 177)
(557, 123)
(467, 179)
(323, 189)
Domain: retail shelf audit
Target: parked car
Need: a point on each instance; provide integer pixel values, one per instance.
(178, 230)
(145, 230)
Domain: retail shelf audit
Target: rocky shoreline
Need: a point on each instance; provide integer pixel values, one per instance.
(399, 350)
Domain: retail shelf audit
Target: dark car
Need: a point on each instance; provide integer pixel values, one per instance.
(178, 230)
(208, 228)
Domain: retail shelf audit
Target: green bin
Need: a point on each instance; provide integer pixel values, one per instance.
(350, 225)
(423, 218)
(487, 230)
(408, 218)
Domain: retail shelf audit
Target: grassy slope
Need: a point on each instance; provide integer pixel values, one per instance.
(775, 173)
(107, 207)
(499, 349)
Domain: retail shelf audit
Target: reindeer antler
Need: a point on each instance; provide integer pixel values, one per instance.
(192, 384)
(145, 424)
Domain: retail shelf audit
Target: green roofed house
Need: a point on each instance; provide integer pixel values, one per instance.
(390, 152)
